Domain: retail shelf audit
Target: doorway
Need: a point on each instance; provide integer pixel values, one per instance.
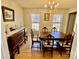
(71, 21)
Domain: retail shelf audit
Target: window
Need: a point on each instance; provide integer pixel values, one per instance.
(35, 26)
(35, 21)
(57, 19)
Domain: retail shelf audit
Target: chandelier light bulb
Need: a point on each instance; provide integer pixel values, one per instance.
(49, 2)
(53, 2)
(45, 5)
(57, 4)
(51, 7)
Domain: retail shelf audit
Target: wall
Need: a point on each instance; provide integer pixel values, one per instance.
(74, 45)
(71, 22)
(18, 13)
(74, 9)
(27, 18)
(18, 21)
(4, 46)
(73, 54)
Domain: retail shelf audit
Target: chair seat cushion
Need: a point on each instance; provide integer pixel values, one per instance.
(66, 45)
(48, 46)
(68, 49)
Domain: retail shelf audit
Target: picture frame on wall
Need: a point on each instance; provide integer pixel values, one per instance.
(8, 14)
(46, 16)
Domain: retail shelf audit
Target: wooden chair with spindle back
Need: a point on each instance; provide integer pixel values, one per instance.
(67, 44)
(47, 44)
(54, 29)
(35, 41)
(44, 29)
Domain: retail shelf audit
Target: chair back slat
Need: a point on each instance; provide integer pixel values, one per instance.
(68, 40)
(44, 29)
(32, 34)
(49, 40)
(54, 29)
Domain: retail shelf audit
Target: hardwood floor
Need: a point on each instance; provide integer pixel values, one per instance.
(27, 53)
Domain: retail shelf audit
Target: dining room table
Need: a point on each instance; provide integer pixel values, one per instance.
(57, 35)
(58, 38)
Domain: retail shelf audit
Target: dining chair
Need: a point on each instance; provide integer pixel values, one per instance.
(44, 29)
(47, 44)
(34, 42)
(25, 36)
(67, 44)
(73, 33)
(54, 29)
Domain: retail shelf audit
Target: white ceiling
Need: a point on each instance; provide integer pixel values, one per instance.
(40, 3)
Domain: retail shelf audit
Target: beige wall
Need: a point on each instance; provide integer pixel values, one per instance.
(72, 10)
(18, 21)
(74, 45)
(27, 18)
(69, 11)
(4, 46)
(18, 13)
(71, 22)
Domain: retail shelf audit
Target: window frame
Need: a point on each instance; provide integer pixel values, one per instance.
(55, 22)
(36, 21)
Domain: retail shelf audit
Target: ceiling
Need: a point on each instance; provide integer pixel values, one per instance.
(40, 3)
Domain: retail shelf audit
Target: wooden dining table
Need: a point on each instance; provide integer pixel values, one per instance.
(57, 35)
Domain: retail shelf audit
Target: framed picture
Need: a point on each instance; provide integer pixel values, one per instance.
(8, 14)
(46, 16)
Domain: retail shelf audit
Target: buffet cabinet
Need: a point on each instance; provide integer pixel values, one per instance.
(15, 40)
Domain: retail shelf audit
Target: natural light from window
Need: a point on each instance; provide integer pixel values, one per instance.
(35, 21)
(57, 19)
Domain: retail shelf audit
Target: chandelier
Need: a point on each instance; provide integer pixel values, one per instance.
(51, 5)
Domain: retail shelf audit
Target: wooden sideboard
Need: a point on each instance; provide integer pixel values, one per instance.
(15, 39)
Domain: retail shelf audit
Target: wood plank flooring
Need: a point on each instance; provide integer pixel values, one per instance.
(27, 53)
